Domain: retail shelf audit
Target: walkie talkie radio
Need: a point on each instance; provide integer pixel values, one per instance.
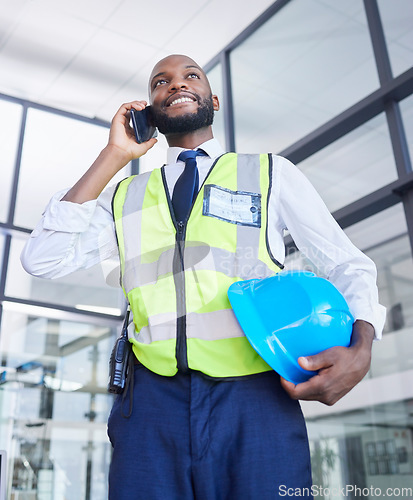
(120, 359)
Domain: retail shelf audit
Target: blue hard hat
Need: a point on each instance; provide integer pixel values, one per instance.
(291, 314)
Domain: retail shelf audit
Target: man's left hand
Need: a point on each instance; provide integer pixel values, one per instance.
(339, 368)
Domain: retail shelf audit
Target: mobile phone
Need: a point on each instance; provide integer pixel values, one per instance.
(142, 124)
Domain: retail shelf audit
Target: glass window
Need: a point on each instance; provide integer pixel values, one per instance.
(65, 355)
(10, 121)
(54, 405)
(383, 237)
(56, 153)
(397, 19)
(309, 62)
(378, 229)
(2, 240)
(215, 80)
(354, 166)
(368, 448)
(86, 290)
(406, 107)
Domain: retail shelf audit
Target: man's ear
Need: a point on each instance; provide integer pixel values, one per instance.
(215, 101)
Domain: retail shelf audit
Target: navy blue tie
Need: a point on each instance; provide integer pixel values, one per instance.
(187, 185)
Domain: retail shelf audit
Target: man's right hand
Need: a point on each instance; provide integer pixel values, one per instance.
(120, 150)
(122, 136)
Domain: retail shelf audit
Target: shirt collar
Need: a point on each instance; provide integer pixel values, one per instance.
(211, 147)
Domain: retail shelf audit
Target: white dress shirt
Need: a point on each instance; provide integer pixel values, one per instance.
(73, 236)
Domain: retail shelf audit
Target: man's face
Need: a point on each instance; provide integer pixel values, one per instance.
(181, 97)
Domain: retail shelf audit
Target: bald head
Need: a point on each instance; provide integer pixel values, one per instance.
(173, 61)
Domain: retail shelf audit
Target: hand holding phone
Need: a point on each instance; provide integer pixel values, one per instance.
(142, 124)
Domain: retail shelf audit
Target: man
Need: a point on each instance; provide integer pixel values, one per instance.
(210, 420)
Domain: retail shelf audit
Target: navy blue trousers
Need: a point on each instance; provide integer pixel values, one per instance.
(193, 438)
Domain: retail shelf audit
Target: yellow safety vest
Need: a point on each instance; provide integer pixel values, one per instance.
(176, 276)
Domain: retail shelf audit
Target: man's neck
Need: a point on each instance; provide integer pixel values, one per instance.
(190, 140)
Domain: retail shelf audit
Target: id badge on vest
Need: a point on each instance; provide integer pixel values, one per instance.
(236, 207)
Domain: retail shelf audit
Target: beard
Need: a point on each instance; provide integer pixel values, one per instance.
(188, 122)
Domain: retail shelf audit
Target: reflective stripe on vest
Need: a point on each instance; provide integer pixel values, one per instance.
(176, 277)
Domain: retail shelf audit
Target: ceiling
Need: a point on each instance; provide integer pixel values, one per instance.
(89, 56)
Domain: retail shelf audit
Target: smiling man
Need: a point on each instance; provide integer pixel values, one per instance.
(210, 419)
(186, 109)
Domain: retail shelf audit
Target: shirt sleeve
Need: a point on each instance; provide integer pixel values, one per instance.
(295, 205)
(71, 236)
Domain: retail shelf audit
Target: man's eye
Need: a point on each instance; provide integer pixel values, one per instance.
(193, 75)
(159, 82)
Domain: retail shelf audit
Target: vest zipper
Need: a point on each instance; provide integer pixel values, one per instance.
(178, 269)
(179, 280)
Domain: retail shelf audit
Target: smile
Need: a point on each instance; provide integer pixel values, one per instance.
(180, 100)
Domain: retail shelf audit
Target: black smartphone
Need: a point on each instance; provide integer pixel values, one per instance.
(142, 124)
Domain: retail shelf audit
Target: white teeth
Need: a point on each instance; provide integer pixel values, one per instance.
(181, 99)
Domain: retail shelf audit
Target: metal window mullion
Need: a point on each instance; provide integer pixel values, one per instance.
(223, 57)
(398, 139)
(17, 165)
(6, 228)
(55, 111)
(5, 260)
(2, 354)
(228, 102)
(12, 208)
(392, 109)
(63, 312)
(378, 40)
(351, 118)
(408, 211)
(371, 204)
(247, 32)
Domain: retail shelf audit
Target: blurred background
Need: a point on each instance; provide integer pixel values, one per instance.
(327, 84)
